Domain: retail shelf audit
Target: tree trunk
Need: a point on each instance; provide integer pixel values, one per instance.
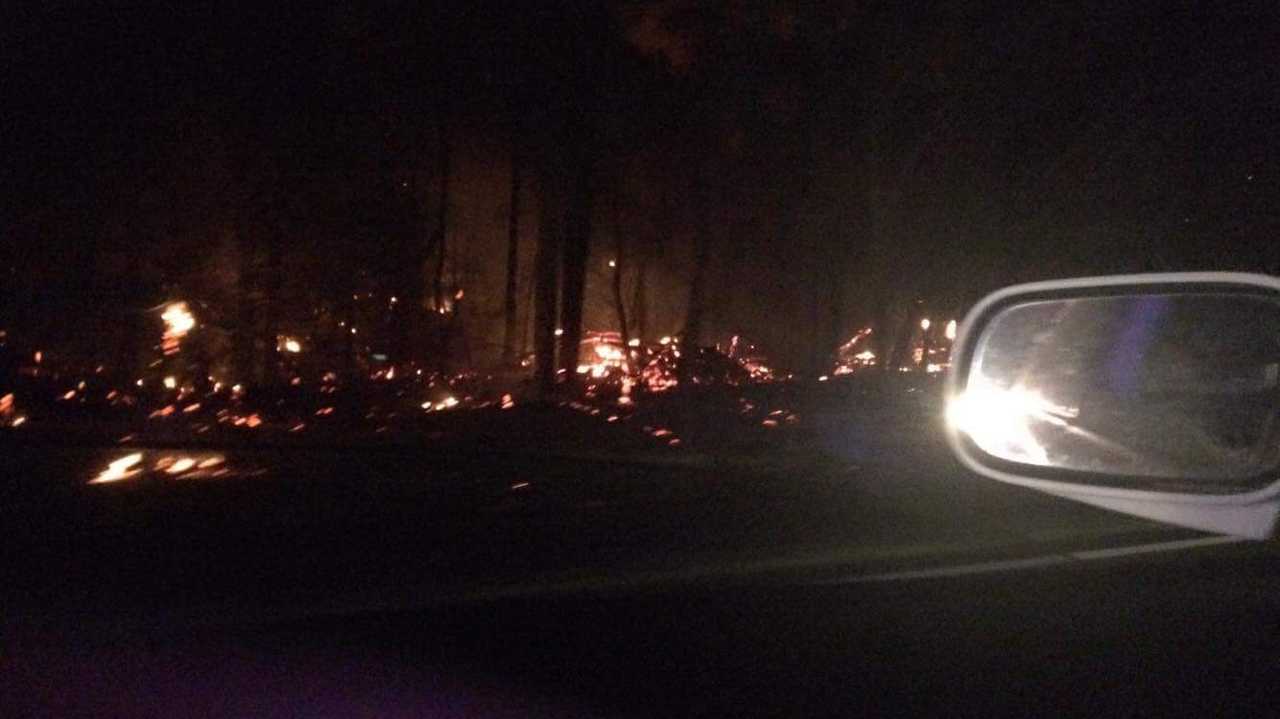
(697, 286)
(271, 306)
(619, 266)
(442, 219)
(577, 250)
(546, 264)
(243, 331)
(640, 301)
(510, 327)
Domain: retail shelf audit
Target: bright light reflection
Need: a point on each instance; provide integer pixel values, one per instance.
(1000, 420)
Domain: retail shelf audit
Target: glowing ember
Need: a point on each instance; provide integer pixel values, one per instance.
(122, 468)
(180, 465)
(164, 411)
(178, 321)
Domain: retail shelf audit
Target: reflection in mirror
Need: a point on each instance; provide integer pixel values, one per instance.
(1181, 387)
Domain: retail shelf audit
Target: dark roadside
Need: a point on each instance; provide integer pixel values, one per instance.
(533, 500)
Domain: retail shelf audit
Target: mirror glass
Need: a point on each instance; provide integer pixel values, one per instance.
(1176, 387)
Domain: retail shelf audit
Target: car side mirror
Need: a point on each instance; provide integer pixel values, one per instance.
(1153, 395)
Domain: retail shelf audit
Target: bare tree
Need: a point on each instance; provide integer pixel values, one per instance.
(510, 327)
(546, 278)
(619, 265)
(576, 251)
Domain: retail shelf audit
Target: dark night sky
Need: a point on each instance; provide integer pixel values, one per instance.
(1032, 140)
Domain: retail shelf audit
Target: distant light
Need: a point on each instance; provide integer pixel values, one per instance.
(394, 299)
(292, 345)
(951, 330)
(665, 340)
(353, 330)
(39, 356)
(559, 332)
(459, 294)
(613, 263)
(170, 382)
(139, 383)
(823, 378)
(924, 323)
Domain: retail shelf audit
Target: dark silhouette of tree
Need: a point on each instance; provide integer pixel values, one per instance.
(510, 328)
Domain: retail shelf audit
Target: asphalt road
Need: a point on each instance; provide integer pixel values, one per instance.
(1191, 633)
